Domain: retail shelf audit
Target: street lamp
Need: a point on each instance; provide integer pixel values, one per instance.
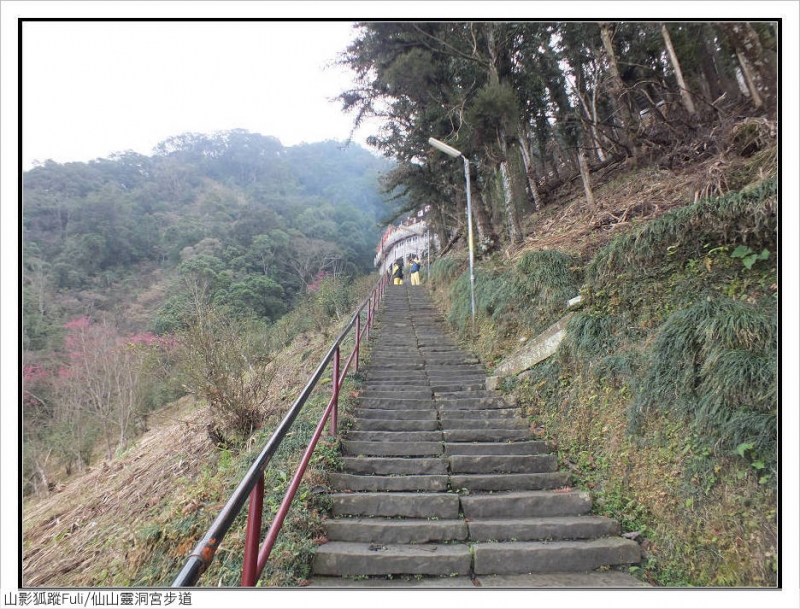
(449, 150)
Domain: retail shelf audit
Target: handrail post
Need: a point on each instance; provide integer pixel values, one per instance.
(358, 338)
(369, 317)
(253, 534)
(335, 398)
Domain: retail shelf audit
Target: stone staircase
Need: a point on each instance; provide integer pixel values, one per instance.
(442, 483)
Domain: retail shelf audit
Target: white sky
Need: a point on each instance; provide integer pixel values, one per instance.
(91, 88)
(94, 88)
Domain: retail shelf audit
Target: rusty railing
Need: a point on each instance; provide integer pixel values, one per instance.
(252, 485)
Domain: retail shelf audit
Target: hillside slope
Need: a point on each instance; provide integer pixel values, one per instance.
(133, 520)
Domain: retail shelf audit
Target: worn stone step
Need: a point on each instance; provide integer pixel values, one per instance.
(436, 360)
(396, 505)
(396, 403)
(366, 424)
(486, 435)
(456, 385)
(525, 447)
(554, 528)
(344, 558)
(537, 557)
(407, 393)
(457, 422)
(379, 363)
(526, 504)
(386, 366)
(469, 415)
(393, 449)
(394, 436)
(502, 464)
(392, 531)
(459, 395)
(395, 415)
(404, 384)
(510, 482)
(451, 374)
(470, 403)
(592, 580)
(385, 466)
(443, 372)
(341, 481)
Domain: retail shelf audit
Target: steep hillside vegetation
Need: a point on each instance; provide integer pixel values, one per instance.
(126, 258)
(663, 394)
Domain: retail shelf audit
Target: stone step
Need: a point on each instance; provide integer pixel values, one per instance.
(592, 580)
(469, 403)
(447, 374)
(458, 422)
(502, 464)
(396, 505)
(393, 449)
(456, 385)
(394, 436)
(486, 435)
(341, 481)
(526, 504)
(344, 558)
(458, 395)
(395, 415)
(443, 371)
(540, 557)
(406, 380)
(367, 424)
(554, 528)
(396, 403)
(386, 466)
(435, 360)
(391, 531)
(525, 447)
(391, 368)
(510, 482)
(397, 353)
(407, 393)
(470, 415)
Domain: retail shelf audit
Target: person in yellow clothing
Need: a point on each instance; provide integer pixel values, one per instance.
(415, 266)
(397, 272)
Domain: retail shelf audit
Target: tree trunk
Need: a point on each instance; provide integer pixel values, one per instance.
(530, 172)
(617, 90)
(708, 61)
(514, 228)
(586, 178)
(758, 70)
(750, 80)
(685, 95)
(483, 223)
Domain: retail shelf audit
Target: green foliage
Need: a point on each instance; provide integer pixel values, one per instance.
(226, 209)
(748, 256)
(494, 109)
(677, 236)
(715, 363)
(531, 299)
(445, 270)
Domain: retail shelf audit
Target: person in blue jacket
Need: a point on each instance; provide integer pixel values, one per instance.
(415, 266)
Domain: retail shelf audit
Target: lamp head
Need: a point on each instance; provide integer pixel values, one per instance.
(444, 148)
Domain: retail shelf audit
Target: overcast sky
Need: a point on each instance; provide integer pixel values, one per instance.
(92, 88)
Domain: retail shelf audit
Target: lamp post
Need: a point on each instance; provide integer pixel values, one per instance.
(449, 150)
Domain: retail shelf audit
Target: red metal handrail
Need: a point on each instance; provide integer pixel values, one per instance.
(252, 485)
